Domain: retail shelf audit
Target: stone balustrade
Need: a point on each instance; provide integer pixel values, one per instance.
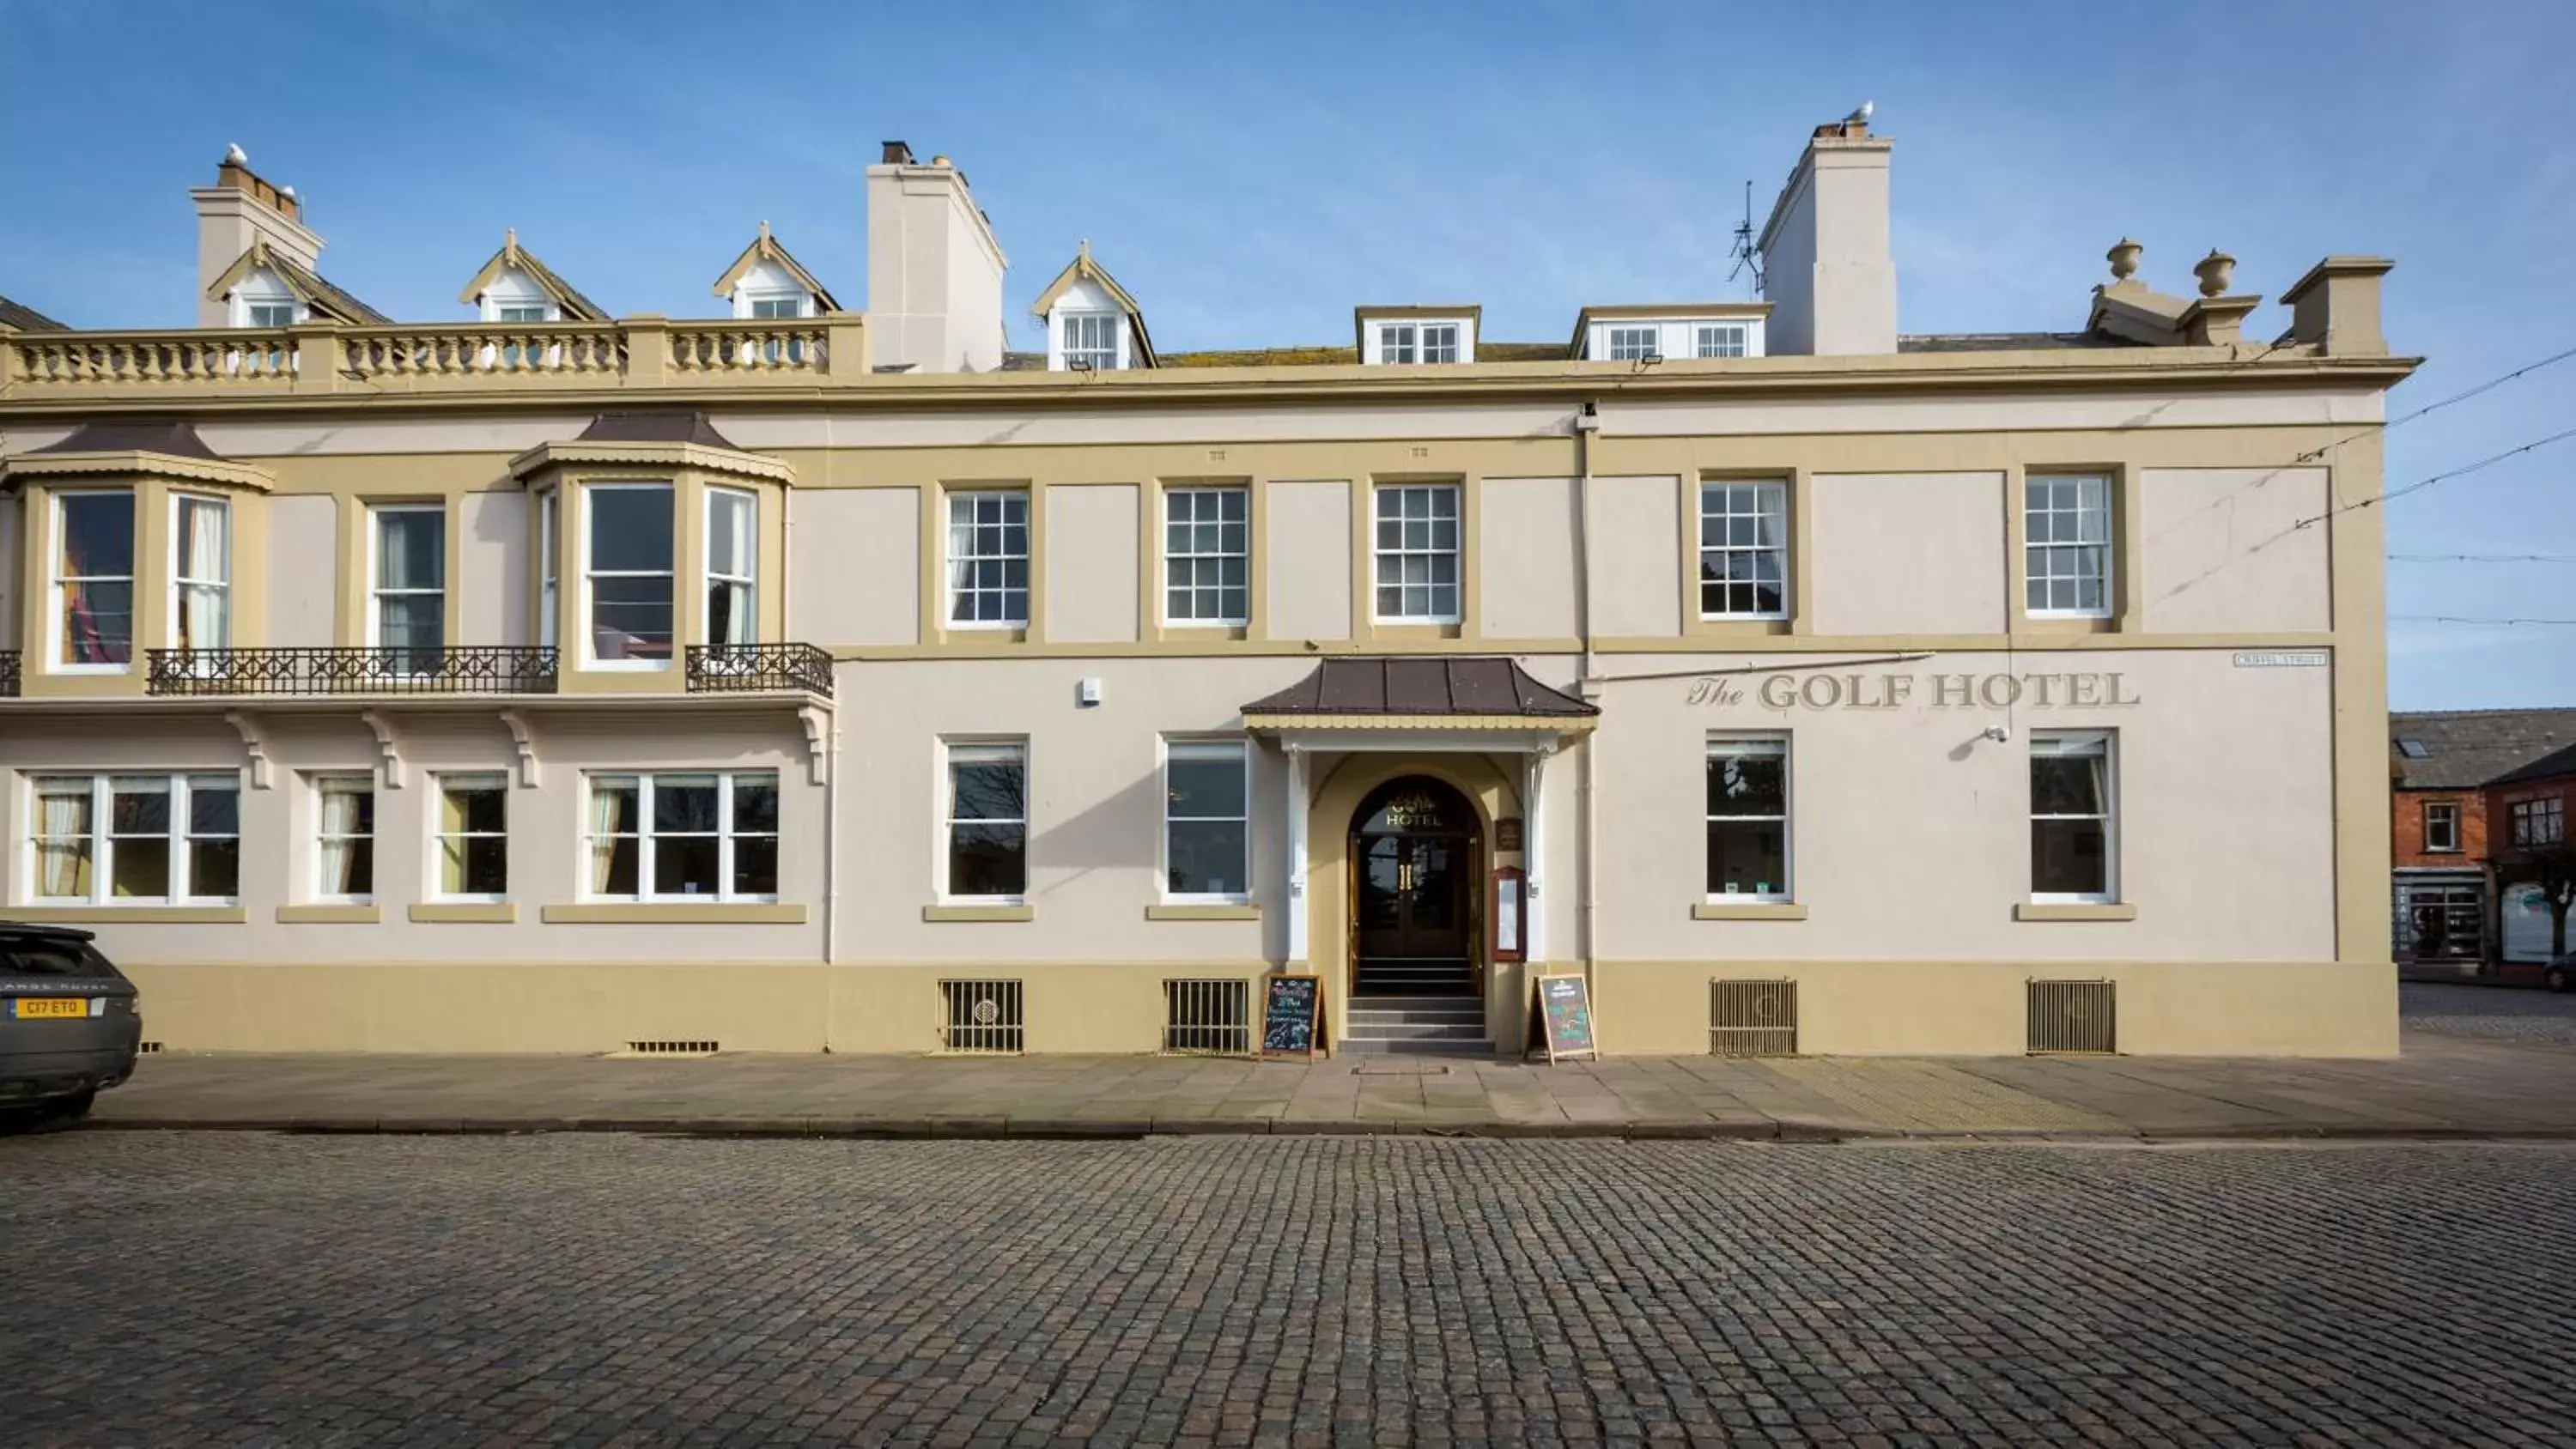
(634, 352)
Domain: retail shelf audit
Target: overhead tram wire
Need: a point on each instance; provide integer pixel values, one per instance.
(2421, 484)
(2459, 619)
(2484, 558)
(2491, 384)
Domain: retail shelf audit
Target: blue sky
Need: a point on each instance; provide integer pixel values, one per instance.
(1251, 172)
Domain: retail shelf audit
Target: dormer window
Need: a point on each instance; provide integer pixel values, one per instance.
(1722, 339)
(1410, 336)
(1090, 341)
(268, 313)
(770, 308)
(1417, 342)
(1635, 344)
(520, 312)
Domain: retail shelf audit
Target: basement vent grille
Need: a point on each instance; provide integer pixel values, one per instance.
(2074, 1017)
(981, 1016)
(1208, 1018)
(672, 1048)
(147, 1048)
(1753, 1018)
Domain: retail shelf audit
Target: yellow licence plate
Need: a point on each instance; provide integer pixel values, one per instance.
(40, 1006)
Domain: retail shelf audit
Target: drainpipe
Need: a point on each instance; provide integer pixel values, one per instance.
(1587, 426)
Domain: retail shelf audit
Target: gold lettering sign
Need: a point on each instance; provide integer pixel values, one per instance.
(1823, 689)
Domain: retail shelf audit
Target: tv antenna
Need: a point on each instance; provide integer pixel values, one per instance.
(1744, 254)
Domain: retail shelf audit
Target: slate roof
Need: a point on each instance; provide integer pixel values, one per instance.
(1470, 685)
(134, 435)
(662, 427)
(576, 307)
(326, 294)
(2007, 341)
(2556, 764)
(2466, 748)
(27, 319)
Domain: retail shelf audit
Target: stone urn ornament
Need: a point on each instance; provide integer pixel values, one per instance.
(2123, 257)
(2217, 272)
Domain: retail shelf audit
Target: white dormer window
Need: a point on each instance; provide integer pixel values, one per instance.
(1403, 342)
(268, 312)
(519, 312)
(767, 308)
(1088, 341)
(1721, 339)
(1635, 344)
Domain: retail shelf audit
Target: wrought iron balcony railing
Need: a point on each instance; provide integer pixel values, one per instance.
(752, 667)
(8, 673)
(469, 669)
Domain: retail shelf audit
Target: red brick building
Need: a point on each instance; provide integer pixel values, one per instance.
(2462, 784)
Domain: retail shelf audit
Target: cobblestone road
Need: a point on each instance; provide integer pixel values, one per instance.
(274, 1290)
(2495, 1013)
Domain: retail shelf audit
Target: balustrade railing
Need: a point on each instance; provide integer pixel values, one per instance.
(746, 668)
(469, 669)
(482, 350)
(751, 347)
(188, 357)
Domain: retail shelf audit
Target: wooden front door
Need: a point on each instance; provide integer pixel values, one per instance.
(1415, 844)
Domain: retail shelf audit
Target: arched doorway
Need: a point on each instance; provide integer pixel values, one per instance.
(1417, 854)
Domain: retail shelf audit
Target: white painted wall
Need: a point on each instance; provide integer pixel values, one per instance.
(12, 596)
(1637, 593)
(1308, 535)
(1091, 579)
(854, 560)
(1527, 570)
(1949, 527)
(303, 600)
(496, 539)
(2224, 549)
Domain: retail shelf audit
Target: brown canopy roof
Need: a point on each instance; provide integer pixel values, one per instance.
(1429, 688)
(133, 435)
(655, 427)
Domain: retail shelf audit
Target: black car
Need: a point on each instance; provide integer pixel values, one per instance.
(69, 1025)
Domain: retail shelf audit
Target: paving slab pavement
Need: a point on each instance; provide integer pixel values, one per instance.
(2440, 1086)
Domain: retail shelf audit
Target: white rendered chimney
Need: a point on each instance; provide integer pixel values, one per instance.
(1826, 267)
(240, 208)
(934, 269)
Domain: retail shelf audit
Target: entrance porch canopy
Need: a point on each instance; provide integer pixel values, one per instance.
(1475, 704)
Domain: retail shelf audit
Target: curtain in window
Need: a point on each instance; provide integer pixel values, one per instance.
(348, 844)
(63, 845)
(205, 555)
(613, 844)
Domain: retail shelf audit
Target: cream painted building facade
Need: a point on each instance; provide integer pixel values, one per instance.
(808, 679)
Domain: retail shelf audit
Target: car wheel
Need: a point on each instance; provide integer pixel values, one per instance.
(2556, 978)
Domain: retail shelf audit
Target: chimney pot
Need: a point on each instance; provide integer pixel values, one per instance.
(897, 153)
(942, 162)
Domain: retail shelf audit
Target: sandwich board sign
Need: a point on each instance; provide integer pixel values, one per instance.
(1561, 1018)
(1292, 1009)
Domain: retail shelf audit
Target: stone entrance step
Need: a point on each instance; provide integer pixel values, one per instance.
(1421, 1025)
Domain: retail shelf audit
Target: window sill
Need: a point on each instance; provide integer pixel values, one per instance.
(347, 914)
(1203, 911)
(674, 913)
(160, 915)
(996, 911)
(2074, 911)
(1749, 911)
(497, 913)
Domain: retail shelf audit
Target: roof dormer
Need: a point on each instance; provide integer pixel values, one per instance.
(1660, 331)
(1092, 324)
(515, 287)
(767, 282)
(266, 288)
(1403, 335)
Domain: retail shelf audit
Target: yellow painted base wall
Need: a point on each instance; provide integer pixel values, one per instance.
(1845, 1008)
(1942, 1008)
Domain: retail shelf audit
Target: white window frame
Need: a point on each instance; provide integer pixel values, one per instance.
(435, 888)
(2103, 550)
(252, 307)
(57, 642)
(1193, 554)
(1456, 552)
(549, 567)
(646, 836)
(1186, 747)
(182, 786)
(748, 582)
(1412, 341)
(1027, 591)
(2525, 821)
(1103, 351)
(980, 750)
(2079, 742)
(1712, 339)
(2448, 813)
(1399, 343)
(1620, 342)
(589, 522)
(500, 312)
(377, 593)
(317, 884)
(1771, 502)
(1758, 746)
(175, 597)
(798, 304)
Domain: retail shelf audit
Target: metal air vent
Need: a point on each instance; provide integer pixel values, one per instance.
(981, 1016)
(1753, 1018)
(671, 1048)
(1208, 1018)
(2074, 1017)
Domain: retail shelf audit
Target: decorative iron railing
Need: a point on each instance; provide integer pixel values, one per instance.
(8, 673)
(752, 667)
(470, 669)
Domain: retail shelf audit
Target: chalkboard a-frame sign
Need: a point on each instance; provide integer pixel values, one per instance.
(1292, 1016)
(1560, 1021)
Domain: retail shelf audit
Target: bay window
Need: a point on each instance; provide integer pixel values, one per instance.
(1207, 809)
(2072, 817)
(549, 563)
(733, 550)
(683, 835)
(1748, 818)
(135, 839)
(627, 573)
(93, 583)
(201, 565)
